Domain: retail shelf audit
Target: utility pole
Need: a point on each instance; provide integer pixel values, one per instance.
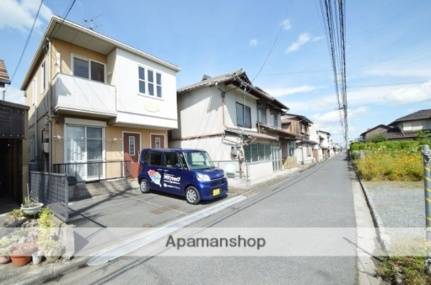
(427, 187)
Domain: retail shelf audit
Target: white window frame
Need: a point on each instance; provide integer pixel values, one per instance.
(144, 80)
(89, 60)
(156, 134)
(158, 85)
(85, 123)
(132, 139)
(155, 71)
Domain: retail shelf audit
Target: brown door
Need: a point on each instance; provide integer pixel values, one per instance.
(132, 145)
(157, 141)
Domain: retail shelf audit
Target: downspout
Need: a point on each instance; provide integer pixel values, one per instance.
(50, 106)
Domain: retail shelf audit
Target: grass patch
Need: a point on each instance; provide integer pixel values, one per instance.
(407, 269)
(392, 166)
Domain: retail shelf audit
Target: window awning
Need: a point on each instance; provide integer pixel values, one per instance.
(251, 134)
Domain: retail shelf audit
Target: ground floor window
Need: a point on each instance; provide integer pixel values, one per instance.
(84, 151)
(291, 146)
(257, 152)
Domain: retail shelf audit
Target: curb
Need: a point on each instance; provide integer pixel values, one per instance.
(382, 237)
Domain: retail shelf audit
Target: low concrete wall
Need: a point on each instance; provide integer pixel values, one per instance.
(259, 170)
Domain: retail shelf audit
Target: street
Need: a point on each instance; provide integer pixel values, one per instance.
(321, 196)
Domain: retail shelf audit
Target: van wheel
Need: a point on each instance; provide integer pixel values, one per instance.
(192, 195)
(144, 186)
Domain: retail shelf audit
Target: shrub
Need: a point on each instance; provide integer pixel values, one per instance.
(393, 166)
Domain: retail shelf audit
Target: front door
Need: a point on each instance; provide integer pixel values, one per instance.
(132, 145)
(157, 141)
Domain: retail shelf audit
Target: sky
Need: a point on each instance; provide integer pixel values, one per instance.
(388, 48)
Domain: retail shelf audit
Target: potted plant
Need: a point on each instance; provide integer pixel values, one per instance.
(52, 250)
(5, 244)
(29, 207)
(20, 253)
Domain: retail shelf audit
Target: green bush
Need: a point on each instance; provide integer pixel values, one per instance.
(393, 166)
(404, 145)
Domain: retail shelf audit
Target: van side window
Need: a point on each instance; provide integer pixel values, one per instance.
(155, 158)
(171, 159)
(146, 157)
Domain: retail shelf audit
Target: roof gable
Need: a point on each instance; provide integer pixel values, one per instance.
(418, 115)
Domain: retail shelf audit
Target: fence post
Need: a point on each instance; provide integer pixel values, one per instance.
(427, 187)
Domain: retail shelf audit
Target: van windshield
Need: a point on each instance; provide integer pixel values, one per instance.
(198, 160)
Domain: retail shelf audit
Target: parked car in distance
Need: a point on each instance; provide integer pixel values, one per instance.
(185, 172)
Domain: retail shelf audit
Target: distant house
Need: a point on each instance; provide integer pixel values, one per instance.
(325, 143)
(406, 127)
(374, 132)
(236, 122)
(299, 150)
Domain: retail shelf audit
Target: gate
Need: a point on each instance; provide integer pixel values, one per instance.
(52, 190)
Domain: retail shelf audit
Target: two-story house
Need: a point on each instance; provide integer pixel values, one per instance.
(300, 149)
(406, 127)
(238, 124)
(95, 102)
(325, 143)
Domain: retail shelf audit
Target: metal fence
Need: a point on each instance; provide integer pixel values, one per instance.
(52, 190)
(93, 170)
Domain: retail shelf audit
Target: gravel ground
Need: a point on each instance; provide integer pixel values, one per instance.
(399, 204)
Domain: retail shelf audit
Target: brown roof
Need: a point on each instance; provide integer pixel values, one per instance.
(4, 76)
(287, 116)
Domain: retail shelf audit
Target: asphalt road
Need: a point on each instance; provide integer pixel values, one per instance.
(318, 197)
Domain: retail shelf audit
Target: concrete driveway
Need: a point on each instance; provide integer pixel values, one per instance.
(130, 208)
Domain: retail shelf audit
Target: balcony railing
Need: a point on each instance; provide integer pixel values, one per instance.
(93, 170)
(78, 95)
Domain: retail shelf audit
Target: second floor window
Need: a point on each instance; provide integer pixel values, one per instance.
(159, 84)
(141, 80)
(274, 119)
(88, 69)
(261, 114)
(150, 82)
(243, 116)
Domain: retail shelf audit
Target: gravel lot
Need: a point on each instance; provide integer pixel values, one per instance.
(399, 204)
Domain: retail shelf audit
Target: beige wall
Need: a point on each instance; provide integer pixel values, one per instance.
(65, 50)
(113, 144)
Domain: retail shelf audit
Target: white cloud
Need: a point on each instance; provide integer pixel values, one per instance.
(286, 25)
(399, 71)
(13, 95)
(394, 94)
(19, 15)
(253, 42)
(334, 115)
(302, 39)
(281, 92)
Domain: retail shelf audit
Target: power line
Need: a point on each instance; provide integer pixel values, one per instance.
(65, 16)
(268, 55)
(333, 14)
(27, 41)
